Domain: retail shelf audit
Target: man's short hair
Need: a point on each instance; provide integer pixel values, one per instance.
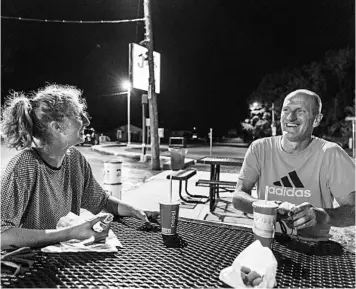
(317, 101)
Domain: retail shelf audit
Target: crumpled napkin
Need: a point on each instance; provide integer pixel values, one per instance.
(257, 258)
(17, 261)
(71, 219)
(283, 213)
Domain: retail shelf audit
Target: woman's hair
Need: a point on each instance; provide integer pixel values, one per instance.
(25, 117)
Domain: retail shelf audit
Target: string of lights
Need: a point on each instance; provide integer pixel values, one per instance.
(72, 21)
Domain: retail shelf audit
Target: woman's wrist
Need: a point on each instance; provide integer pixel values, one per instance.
(67, 234)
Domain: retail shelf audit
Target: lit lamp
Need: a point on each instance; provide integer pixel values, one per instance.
(127, 86)
(273, 123)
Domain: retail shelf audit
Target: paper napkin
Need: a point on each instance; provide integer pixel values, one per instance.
(257, 258)
(71, 219)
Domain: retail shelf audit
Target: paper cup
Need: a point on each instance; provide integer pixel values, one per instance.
(264, 221)
(114, 190)
(169, 218)
(112, 172)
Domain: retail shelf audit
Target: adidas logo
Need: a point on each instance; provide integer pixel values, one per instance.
(286, 183)
(290, 186)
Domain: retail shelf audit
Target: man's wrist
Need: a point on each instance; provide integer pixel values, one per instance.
(322, 217)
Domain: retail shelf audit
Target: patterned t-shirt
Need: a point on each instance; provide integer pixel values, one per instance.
(316, 175)
(35, 195)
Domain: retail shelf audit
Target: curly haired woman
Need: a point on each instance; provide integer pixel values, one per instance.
(49, 177)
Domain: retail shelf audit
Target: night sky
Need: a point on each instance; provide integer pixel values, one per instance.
(213, 52)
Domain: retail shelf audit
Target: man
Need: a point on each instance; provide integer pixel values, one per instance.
(305, 174)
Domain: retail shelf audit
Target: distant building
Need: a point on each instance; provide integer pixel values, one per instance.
(136, 133)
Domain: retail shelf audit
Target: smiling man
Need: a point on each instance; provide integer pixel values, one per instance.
(302, 173)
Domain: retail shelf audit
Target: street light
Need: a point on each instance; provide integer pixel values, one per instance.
(255, 105)
(127, 85)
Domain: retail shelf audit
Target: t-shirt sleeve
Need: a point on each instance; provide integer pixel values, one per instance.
(341, 172)
(250, 169)
(94, 197)
(14, 200)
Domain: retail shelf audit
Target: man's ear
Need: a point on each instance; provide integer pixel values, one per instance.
(317, 120)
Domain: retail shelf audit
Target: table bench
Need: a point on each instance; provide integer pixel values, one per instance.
(214, 183)
(184, 176)
(225, 185)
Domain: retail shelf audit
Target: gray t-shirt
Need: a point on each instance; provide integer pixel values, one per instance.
(317, 175)
(35, 195)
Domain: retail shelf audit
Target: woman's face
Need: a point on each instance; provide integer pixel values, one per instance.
(73, 128)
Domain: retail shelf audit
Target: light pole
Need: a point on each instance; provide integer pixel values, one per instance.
(127, 86)
(273, 124)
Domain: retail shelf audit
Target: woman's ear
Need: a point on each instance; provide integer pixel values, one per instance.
(317, 120)
(55, 127)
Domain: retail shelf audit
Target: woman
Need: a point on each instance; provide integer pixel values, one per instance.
(49, 177)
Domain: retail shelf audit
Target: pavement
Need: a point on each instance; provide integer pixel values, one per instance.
(157, 188)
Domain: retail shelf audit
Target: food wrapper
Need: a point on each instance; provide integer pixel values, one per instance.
(284, 212)
(88, 245)
(257, 258)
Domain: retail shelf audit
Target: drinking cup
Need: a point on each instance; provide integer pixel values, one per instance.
(169, 217)
(264, 221)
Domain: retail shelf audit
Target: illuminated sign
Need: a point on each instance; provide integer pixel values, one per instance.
(138, 67)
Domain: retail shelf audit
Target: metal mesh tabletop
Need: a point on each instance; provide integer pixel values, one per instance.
(220, 161)
(195, 259)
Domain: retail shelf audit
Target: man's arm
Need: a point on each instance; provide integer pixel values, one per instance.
(242, 199)
(344, 215)
(305, 215)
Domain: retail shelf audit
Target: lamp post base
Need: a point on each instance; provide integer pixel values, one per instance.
(143, 158)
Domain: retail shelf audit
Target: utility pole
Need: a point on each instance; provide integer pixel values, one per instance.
(128, 116)
(152, 99)
(143, 157)
(273, 125)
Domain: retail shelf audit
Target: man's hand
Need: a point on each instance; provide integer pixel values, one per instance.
(305, 215)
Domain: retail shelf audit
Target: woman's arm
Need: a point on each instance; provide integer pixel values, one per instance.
(120, 208)
(20, 237)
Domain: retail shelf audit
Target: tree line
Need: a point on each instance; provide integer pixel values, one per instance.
(332, 78)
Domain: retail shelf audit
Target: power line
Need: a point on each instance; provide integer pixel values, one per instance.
(72, 21)
(114, 94)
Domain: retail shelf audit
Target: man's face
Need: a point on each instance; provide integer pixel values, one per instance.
(297, 117)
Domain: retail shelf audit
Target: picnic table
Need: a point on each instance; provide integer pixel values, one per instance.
(215, 184)
(193, 258)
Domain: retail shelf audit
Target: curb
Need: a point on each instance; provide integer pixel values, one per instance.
(166, 160)
(100, 149)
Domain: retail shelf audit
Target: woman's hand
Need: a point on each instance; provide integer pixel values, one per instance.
(85, 230)
(120, 208)
(145, 216)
